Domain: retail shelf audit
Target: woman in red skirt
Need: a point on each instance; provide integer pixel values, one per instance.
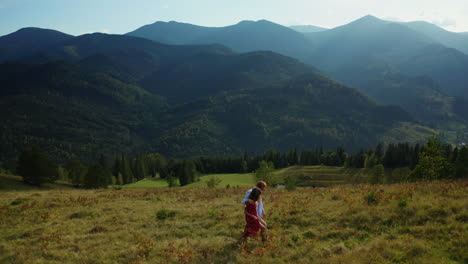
(253, 224)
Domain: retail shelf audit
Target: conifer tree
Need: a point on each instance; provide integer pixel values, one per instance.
(432, 163)
(35, 167)
(139, 169)
(461, 164)
(97, 177)
(76, 171)
(126, 170)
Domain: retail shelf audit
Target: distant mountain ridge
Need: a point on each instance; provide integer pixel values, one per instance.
(370, 39)
(28, 40)
(245, 36)
(454, 40)
(190, 101)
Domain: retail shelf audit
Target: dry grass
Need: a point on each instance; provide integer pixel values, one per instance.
(400, 223)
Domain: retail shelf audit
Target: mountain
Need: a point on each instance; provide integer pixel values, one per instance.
(449, 39)
(305, 111)
(71, 111)
(172, 32)
(370, 43)
(420, 96)
(307, 28)
(245, 36)
(130, 58)
(28, 40)
(208, 73)
(195, 100)
(363, 42)
(349, 53)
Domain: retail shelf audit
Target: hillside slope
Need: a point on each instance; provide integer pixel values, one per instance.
(188, 101)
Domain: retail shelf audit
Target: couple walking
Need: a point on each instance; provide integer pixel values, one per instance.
(254, 212)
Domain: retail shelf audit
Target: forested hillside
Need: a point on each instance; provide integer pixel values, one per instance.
(416, 65)
(125, 94)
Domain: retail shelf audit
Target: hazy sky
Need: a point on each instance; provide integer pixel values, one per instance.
(121, 16)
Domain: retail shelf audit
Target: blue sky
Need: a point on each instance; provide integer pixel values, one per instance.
(121, 16)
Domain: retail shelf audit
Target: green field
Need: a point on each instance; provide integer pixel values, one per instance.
(245, 179)
(305, 176)
(233, 180)
(148, 183)
(319, 176)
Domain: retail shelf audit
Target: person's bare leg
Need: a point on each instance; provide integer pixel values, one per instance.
(242, 242)
(263, 233)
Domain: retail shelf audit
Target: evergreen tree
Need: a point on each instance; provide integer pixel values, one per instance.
(35, 167)
(119, 179)
(185, 172)
(127, 174)
(293, 158)
(432, 163)
(340, 152)
(105, 165)
(378, 153)
(190, 171)
(76, 171)
(104, 162)
(461, 163)
(117, 167)
(156, 163)
(454, 155)
(318, 154)
(97, 177)
(415, 156)
(140, 170)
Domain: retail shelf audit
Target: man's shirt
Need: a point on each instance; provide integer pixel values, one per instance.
(259, 203)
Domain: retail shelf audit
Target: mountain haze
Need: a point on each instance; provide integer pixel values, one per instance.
(343, 52)
(392, 62)
(454, 40)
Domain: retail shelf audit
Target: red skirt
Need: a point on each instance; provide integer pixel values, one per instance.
(252, 225)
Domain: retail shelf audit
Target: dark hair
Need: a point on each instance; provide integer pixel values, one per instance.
(255, 194)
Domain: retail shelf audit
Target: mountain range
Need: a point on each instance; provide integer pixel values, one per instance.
(185, 90)
(382, 58)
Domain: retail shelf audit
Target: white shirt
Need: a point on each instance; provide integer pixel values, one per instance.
(259, 203)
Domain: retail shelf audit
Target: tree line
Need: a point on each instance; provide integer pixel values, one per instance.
(429, 161)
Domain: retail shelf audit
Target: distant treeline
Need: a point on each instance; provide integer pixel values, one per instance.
(430, 161)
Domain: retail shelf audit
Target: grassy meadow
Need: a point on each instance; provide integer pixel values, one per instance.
(233, 180)
(424, 222)
(319, 176)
